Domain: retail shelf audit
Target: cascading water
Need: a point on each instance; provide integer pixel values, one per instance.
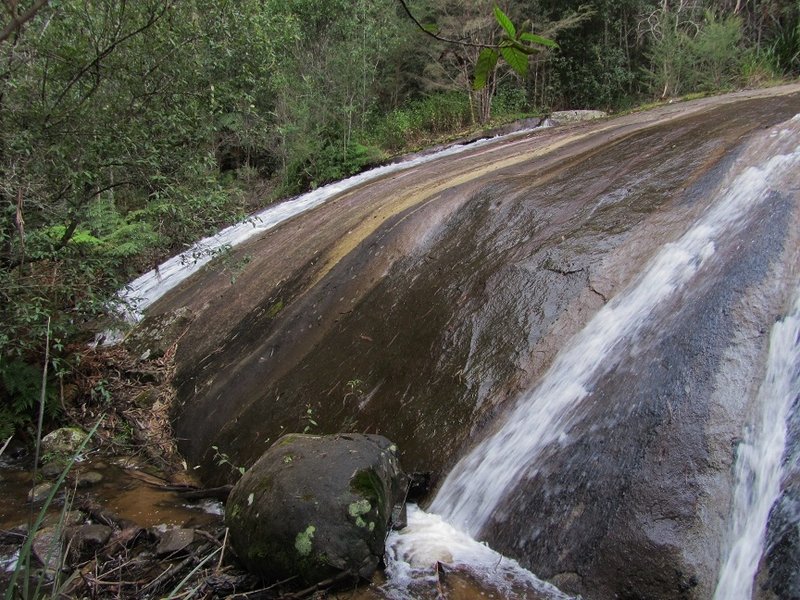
(612, 473)
(758, 465)
(428, 539)
(480, 480)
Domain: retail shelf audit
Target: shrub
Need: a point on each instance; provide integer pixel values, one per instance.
(432, 115)
(716, 54)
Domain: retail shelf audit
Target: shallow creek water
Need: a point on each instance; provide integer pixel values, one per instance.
(124, 490)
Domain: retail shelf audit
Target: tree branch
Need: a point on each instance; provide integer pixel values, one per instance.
(440, 38)
(69, 231)
(94, 63)
(20, 223)
(18, 21)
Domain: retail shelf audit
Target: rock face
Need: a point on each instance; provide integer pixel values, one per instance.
(428, 303)
(316, 506)
(635, 497)
(151, 340)
(576, 116)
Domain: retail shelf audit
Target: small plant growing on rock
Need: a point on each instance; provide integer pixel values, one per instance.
(355, 388)
(308, 418)
(221, 458)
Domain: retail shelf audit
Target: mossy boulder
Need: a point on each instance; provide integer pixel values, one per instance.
(316, 506)
(62, 443)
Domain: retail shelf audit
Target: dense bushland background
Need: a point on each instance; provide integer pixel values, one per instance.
(131, 128)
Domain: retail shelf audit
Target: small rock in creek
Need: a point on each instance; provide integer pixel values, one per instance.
(47, 548)
(72, 517)
(40, 492)
(64, 441)
(174, 540)
(86, 539)
(52, 469)
(88, 478)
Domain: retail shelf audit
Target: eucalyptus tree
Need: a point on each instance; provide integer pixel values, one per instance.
(328, 84)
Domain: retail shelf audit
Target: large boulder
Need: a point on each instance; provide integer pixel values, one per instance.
(316, 506)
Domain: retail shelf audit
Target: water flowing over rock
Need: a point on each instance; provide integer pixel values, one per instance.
(653, 370)
(315, 507)
(781, 450)
(592, 302)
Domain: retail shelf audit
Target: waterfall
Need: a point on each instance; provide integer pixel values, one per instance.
(481, 479)
(149, 287)
(759, 458)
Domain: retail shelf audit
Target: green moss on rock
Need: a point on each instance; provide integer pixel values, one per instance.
(303, 542)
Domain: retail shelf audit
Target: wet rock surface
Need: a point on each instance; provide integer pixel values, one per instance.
(450, 299)
(154, 339)
(86, 540)
(781, 569)
(40, 492)
(315, 507)
(174, 540)
(422, 305)
(575, 116)
(634, 499)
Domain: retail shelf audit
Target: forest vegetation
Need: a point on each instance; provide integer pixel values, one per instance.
(130, 128)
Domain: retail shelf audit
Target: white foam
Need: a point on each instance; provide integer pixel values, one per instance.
(413, 553)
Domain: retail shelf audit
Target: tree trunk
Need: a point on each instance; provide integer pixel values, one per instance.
(482, 104)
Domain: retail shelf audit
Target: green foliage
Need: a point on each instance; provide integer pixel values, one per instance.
(111, 116)
(130, 129)
(422, 119)
(487, 61)
(696, 55)
(221, 458)
(515, 48)
(322, 162)
(782, 54)
(20, 389)
(599, 79)
(509, 100)
(308, 419)
(717, 53)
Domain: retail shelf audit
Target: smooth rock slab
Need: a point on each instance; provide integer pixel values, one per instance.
(316, 506)
(576, 116)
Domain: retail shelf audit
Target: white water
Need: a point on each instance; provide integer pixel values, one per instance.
(413, 553)
(143, 291)
(758, 466)
(480, 480)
